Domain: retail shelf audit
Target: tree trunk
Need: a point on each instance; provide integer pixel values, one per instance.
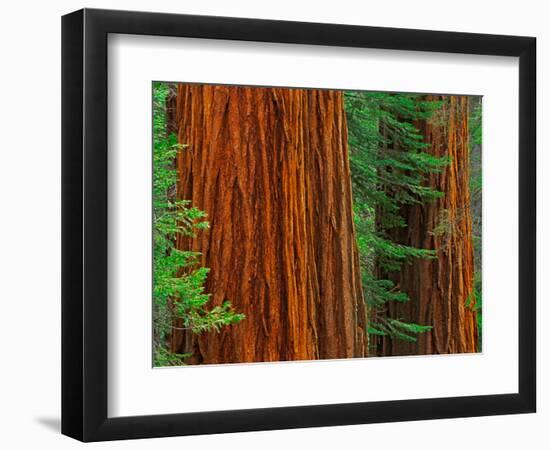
(440, 290)
(270, 168)
(170, 105)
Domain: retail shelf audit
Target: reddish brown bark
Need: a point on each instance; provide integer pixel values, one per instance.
(440, 290)
(270, 168)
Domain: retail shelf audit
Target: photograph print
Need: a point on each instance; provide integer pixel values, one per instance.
(296, 224)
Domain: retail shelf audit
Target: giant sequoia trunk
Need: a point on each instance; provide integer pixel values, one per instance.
(270, 168)
(440, 290)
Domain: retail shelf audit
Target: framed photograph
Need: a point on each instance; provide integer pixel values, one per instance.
(273, 224)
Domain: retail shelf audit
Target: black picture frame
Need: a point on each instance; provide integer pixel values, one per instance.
(84, 224)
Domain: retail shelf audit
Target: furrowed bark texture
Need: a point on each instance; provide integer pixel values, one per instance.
(440, 290)
(270, 168)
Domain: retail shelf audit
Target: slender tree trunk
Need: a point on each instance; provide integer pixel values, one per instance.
(170, 105)
(270, 168)
(440, 290)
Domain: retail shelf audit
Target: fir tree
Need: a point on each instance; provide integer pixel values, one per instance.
(389, 169)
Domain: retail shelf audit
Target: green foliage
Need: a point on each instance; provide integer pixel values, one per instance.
(178, 280)
(163, 357)
(388, 170)
(475, 123)
(405, 331)
(476, 183)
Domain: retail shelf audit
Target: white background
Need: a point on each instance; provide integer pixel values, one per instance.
(136, 389)
(30, 237)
